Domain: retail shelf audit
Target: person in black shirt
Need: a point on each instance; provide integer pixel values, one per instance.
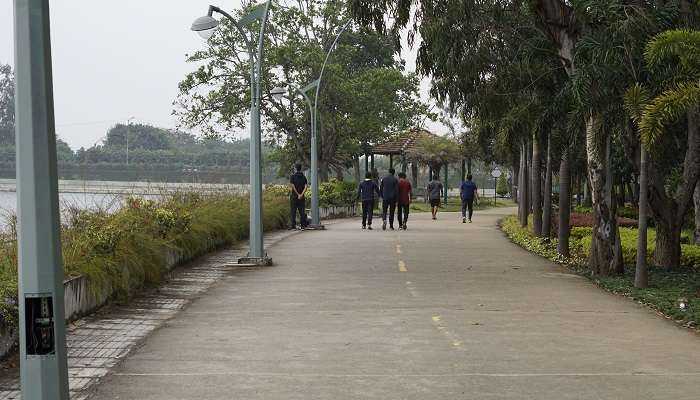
(390, 196)
(366, 193)
(298, 185)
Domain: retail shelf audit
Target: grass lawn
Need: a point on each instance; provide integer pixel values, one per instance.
(665, 287)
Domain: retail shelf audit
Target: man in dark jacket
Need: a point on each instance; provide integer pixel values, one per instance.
(297, 199)
(366, 193)
(390, 195)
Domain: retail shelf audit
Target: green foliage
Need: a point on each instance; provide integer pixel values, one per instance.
(502, 186)
(583, 210)
(366, 93)
(337, 193)
(666, 287)
(435, 151)
(127, 249)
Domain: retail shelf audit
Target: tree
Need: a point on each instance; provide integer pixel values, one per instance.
(678, 98)
(365, 96)
(435, 152)
(7, 106)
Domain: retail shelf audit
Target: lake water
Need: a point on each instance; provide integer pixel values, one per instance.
(109, 196)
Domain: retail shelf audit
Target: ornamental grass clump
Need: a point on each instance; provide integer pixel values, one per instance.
(127, 249)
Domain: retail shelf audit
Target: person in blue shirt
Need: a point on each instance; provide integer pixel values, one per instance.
(366, 193)
(468, 192)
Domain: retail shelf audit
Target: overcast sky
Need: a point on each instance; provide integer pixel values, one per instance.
(113, 60)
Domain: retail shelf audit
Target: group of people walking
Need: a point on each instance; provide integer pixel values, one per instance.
(396, 194)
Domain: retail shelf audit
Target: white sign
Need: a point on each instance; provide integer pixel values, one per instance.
(496, 173)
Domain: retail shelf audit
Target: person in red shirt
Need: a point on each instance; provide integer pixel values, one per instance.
(405, 189)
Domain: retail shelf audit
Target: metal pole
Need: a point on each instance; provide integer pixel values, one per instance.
(128, 129)
(447, 166)
(256, 253)
(315, 199)
(43, 359)
(495, 185)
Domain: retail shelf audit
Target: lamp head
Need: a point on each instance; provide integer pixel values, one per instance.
(205, 26)
(278, 92)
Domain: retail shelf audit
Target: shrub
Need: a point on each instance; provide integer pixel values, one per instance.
(337, 193)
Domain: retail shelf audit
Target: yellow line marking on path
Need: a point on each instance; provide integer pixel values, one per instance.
(402, 266)
(437, 321)
(398, 249)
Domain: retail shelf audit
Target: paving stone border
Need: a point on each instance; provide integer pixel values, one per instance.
(100, 341)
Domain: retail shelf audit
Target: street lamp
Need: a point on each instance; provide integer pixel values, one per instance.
(205, 26)
(315, 201)
(128, 130)
(278, 93)
(42, 337)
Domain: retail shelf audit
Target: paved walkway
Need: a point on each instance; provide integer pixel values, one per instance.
(442, 311)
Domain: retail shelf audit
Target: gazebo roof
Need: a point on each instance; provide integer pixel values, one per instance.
(405, 142)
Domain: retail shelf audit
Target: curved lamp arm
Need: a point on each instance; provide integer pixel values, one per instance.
(323, 67)
(235, 23)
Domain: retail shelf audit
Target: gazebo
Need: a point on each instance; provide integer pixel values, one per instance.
(402, 146)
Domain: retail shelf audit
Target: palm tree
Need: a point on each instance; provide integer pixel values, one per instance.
(679, 97)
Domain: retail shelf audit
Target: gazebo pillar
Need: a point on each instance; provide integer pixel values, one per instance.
(403, 163)
(391, 161)
(372, 162)
(367, 163)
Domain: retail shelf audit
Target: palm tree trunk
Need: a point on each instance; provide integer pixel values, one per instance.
(514, 181)
(524, 204)
(606, 253)
(641, 278)
(536, 185)
(564, 204)
(696, 203)
(547, 212)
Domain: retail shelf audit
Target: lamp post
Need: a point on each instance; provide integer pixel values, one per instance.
(316, 217)
(43, 357)
(315, 199)
(496, 173)
(205, 26)
(278, 93)
(128, 130)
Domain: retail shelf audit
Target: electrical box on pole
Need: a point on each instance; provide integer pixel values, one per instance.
(43, 358)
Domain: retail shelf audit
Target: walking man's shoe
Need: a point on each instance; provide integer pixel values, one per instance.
(364, 227)
(470, 221)
(369, 228)
(384, 226)
(464, 220)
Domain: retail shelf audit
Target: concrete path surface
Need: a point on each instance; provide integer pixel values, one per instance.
(444, 310)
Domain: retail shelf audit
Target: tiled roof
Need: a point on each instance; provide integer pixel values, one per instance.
(405, 142)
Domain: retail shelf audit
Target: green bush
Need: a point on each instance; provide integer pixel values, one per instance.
(583, 210)
(337, 193)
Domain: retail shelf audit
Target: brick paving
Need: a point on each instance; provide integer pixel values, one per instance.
(100, 341)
